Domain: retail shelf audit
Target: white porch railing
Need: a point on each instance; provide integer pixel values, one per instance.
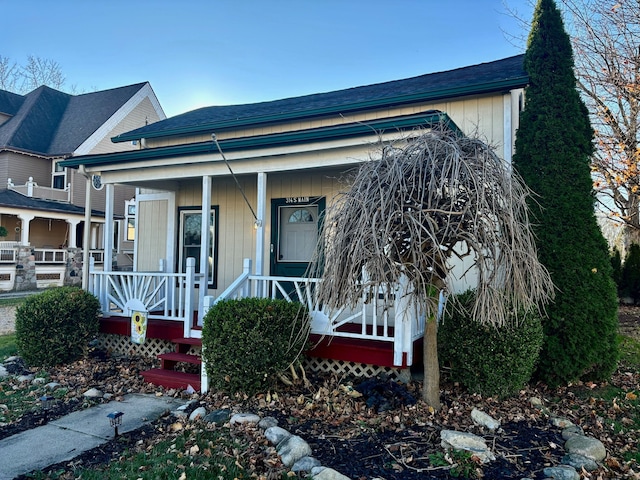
(32, 189)
(8, 255)
(50, 255)
(383, 313)
(167, 296)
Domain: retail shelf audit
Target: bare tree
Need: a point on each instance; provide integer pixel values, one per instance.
(25, 78)
(9, 72)
(409, 212)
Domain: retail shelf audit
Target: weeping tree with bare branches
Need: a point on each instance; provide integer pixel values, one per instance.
(407, 213)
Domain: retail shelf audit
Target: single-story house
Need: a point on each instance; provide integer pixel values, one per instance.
(229, 201)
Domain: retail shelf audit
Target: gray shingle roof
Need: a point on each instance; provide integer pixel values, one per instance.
(54, 123)
(469, 79)
(9, 198)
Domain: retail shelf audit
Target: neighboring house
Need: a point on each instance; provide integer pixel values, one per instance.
(250, 214)
(42, 204)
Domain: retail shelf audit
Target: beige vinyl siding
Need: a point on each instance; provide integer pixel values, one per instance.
(150, 234)
(237, 236)
(481, 114)
(21, 167)
(141, 115)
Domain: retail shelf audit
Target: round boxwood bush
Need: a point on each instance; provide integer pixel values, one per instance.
(55, 327)
(247, 342)
(493, 361)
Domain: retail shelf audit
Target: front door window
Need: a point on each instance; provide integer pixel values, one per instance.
(298, 233)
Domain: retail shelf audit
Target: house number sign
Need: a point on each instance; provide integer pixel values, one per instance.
(297, 200)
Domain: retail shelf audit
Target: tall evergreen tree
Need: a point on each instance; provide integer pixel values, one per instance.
(553, 150)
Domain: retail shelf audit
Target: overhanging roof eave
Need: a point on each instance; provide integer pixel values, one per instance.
(425, 119)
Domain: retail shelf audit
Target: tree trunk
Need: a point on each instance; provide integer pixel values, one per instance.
(431, 385)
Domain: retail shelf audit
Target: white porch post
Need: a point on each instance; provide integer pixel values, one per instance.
(188, 295)
(260, 230)
(24, 228)
(72, 241)
(402, 328)
(108, 228)
(86, 235)
(204, 245)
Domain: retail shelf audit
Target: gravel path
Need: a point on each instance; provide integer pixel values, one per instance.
(7, 319)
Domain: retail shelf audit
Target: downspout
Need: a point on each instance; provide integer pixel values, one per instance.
(87, 228)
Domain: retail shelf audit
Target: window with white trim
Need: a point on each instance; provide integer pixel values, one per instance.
(58, 176)
(190, 244)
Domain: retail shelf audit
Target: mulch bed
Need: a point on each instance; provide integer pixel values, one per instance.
(390, 441)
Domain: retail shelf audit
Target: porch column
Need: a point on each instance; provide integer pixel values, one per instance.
(86, 234)
(25, 219)
(204, 245)
(72, 240)
(108, 228)
(260, 231)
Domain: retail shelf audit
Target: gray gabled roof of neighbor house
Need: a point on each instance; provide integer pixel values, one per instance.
(499, 75)
(49, 122)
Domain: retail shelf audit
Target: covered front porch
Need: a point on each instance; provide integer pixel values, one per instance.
(381, 333)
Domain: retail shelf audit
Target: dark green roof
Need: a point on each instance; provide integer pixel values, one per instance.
(425, 119)
(500, 75)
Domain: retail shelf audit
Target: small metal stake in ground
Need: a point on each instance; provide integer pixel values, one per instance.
(46, 401)
(115, 419)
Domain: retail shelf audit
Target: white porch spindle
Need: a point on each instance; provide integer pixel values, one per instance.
(189, 300)
(402, 330)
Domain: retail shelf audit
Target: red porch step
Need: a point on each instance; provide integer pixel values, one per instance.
(167, 375)
(172, 379)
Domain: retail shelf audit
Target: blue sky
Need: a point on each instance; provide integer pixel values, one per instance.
(198, 53)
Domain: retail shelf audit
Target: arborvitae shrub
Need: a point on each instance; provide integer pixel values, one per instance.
(56, 326)
(631, 274)
(494, 361)
(616, 267)
(247, 342)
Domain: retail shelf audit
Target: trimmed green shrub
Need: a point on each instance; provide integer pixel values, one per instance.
(616, 267)
(55, 326)
(247, 342)
(494, 361)
(631, 274)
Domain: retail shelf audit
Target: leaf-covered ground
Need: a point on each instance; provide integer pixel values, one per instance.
(386, 440)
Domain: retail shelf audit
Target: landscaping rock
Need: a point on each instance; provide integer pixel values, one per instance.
(244, 418)
(3, 371)
(484, 419)
(561, 422)
(198, 414)
(292, 449)
(93, 393)
(52, 386)
(571, 431)
(466, 441)
(218, 416)
(25, 378)
(276, 434)
(323, 473)
(586, 446)
(267, 422)
(305, 464)
(579, 462)
(561, 472)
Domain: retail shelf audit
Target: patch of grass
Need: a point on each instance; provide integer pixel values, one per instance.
(8, 346)
(19, 397)
(630, 352)
(9, 302)
(193, 454)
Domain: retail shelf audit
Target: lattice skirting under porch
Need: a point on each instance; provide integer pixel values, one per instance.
(354, 369)
(122, 345)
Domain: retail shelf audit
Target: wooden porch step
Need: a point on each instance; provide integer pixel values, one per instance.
(183, 345)
(172, 379)
(171, 359)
